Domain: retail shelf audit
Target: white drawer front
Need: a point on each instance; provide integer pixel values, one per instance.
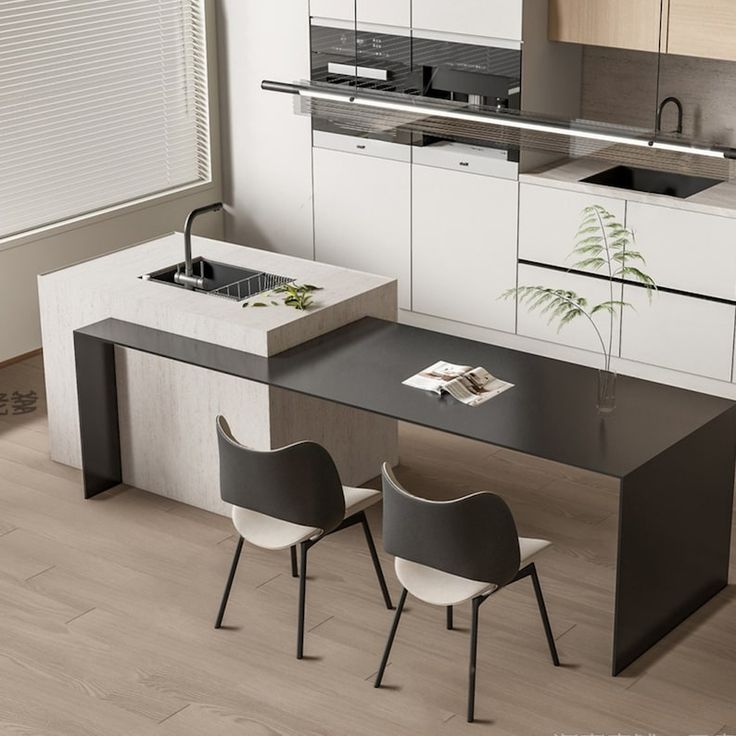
(688, 251)
(679, 332)
(468, 159)
(579, 333)
(362, 146)
(549, 220)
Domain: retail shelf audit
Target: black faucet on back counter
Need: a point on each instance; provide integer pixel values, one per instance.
(660, 110)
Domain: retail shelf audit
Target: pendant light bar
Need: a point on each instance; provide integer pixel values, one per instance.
(424, 107)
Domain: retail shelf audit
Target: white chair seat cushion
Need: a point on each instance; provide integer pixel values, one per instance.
(271, 533)
(444, 589)
(529, 548)
(359, 499)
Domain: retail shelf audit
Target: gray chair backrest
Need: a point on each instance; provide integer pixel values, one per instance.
(298, 483)
(474, 537)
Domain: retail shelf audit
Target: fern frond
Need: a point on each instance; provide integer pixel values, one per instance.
(610, 307)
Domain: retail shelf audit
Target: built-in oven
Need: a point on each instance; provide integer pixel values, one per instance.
(402, 62)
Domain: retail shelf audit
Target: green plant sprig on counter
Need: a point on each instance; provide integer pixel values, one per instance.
(601, 244)
(298, 296)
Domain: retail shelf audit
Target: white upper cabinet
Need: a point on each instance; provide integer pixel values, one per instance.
(688, 251)
(464, 246)
(379, 12)
(678, 332)
(549, 220)
(362, 214)
(487, 18)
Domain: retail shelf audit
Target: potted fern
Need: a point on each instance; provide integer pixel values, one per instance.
(601, 245)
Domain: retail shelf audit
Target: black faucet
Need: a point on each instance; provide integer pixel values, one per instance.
(660, 110)
(188, 278)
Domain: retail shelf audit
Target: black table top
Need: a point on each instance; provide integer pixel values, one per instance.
(550, 413)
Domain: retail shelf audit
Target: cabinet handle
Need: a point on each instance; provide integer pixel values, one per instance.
(360, 146)
(464, 163)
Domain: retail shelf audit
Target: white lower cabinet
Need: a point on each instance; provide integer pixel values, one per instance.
(464, 246)
(362, 215)
(678, 332)
(687, 251)
(579, 333)
(549, 220)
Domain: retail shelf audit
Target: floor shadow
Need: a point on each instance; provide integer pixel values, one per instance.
(688, 628)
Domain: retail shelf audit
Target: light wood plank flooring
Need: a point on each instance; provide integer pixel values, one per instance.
(106, 612)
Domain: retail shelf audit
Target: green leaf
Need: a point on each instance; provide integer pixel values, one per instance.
(595, 264)
(259, 304)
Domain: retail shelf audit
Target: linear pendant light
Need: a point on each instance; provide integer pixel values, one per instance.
(427, 107)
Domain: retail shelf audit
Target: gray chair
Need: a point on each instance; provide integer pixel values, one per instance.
(449, 552)
(288, 497)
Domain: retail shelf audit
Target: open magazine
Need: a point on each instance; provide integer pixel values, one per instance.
(471, 386)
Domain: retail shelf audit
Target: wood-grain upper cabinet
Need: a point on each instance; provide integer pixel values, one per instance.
(488, 18)
(380, 12)
(625, 24)
(362, 214)
(703, 28)
(464, 246)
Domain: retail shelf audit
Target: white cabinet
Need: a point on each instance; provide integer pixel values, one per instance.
(362, 215)
(579, 333)
(549, 220)
(380, 12)
(679, 332)
(688, 251)
(487, 18)
(464, 246)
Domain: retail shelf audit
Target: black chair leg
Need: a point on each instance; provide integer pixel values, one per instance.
(376, 561)
(473, 658)
(449, 618)
(229, 584)
(302, 597)
(294, 568)
(391, 636)
(545, 617)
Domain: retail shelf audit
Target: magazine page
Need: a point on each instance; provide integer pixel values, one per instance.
(437, 376)
(475, 387)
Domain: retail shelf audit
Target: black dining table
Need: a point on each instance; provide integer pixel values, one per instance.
(672, 451)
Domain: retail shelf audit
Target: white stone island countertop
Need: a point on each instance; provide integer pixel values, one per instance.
(717, 200)
(110, 286)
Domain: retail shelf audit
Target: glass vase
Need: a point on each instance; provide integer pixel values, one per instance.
(606, 391)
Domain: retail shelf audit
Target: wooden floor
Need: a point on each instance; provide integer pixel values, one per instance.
(106, 612)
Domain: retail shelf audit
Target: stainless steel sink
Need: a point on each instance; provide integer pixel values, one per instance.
(654, 182)
(222, 279)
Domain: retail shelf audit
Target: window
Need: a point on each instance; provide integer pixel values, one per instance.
(101, 103)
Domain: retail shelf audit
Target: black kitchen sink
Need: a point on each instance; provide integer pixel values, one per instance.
(222, 279)
(654, 182)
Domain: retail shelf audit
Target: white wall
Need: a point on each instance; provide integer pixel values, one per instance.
(266, 147)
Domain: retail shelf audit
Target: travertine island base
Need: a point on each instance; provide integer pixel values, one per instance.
(167, 409)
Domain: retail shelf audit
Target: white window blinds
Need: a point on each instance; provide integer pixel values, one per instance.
(102, 102)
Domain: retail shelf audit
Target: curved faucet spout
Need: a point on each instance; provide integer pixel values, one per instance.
(680, 112)
(188, 278)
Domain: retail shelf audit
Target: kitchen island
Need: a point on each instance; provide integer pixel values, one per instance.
(166, 408)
